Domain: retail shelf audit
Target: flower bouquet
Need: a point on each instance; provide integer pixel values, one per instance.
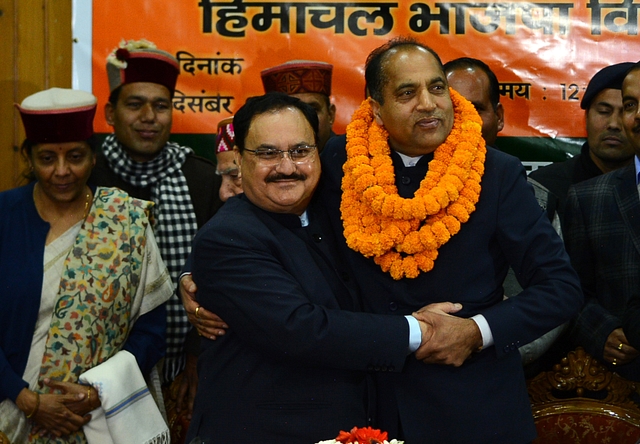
(363, 435)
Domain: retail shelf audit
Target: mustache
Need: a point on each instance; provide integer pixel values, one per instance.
(430, 115)
(620, 136)
(279, 176)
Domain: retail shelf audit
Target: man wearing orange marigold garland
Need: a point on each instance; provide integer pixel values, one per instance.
(431, 215)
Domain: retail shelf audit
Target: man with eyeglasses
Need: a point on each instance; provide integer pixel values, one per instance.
(293, 366)
(307, 80)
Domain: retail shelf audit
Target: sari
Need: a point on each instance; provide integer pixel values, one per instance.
(99, 277)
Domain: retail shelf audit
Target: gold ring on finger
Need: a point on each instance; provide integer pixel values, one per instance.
(620, 346)
(197, 310)
(614, 362)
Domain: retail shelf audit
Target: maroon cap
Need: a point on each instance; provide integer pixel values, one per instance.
(141, 61)
(298, 76)
(226, 136)
(58, 115)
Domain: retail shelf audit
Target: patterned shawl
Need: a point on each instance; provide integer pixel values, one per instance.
(92, 315)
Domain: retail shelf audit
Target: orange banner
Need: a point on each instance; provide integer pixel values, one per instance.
(543, 53)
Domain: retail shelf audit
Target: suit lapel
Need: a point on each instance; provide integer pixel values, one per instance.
(626, 195)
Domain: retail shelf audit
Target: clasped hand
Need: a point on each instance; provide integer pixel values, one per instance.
(446, 339)
(60, 414)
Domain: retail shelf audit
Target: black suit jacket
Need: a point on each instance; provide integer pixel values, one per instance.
(602, 236)
(291, 368)
(485, 400)
(559, 176)
(632, 322)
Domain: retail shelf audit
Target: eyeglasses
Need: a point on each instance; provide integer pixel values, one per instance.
(299, 155)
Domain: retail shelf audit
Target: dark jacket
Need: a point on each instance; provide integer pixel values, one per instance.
(485, 400)
(291, 368)
(602, 236)
(559, 176)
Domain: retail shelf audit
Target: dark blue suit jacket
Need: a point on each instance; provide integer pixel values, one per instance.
(485, 400)
(292, 366)
(602, 234)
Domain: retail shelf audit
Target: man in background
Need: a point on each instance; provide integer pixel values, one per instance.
(138, 158)
(603, 241)
(607, 147)
(226, 166)
(479, 85)
(309, 81)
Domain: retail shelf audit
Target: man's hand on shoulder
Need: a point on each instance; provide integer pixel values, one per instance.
(446, 339)
(208, 324)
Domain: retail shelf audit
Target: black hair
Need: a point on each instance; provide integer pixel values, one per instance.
(114, 96)
(467, 63)
(270, 102)
(374, 72)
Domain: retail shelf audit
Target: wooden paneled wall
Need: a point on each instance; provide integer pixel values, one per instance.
(35, 54)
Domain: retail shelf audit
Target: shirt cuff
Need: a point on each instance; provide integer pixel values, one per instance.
(415, 334)
(485, 330)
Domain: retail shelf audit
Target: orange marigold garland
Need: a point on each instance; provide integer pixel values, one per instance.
(403, 235)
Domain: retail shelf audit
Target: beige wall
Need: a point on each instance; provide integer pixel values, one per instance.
(35, 54)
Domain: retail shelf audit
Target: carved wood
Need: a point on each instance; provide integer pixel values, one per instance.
(570, 386)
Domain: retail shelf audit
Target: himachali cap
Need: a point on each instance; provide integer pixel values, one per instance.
(58, 115)
(226, 136)
(298, 76)
(610, 77)
(140, 61)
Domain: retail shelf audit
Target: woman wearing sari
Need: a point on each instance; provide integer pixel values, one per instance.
(82, 289)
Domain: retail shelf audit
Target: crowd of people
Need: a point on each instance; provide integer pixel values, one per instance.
(406, 275)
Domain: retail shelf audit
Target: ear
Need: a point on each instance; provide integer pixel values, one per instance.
(109, 112)
(29, 162)
(500, 114)
(375, 107)
(332, 114)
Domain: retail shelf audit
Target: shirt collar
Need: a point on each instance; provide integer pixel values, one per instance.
(304, 219)
(409, 161)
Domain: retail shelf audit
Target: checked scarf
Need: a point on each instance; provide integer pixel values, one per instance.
(175, 227)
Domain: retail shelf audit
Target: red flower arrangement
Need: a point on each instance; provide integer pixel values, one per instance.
(363, 435)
